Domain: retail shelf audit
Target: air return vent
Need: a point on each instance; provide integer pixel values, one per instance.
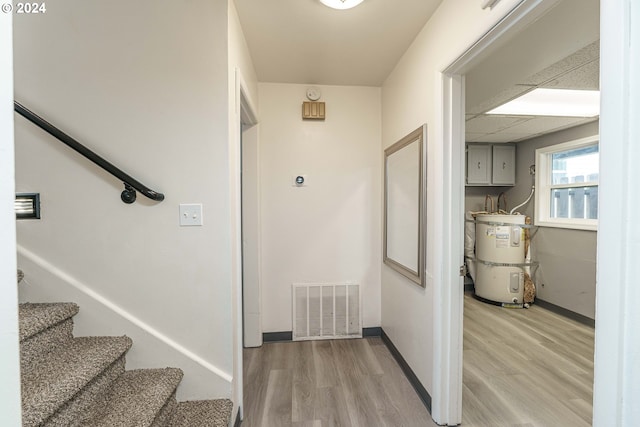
(326, 310)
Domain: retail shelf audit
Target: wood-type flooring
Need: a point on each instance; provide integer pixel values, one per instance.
(524, 368)
(354, 382)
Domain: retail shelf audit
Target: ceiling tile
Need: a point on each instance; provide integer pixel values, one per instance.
(547, 124)
(474, 137)
(502, 137)
(582, 57)
(585, 77)
(489, 124)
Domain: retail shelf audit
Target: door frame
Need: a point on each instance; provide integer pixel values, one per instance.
(10, 403)
(244, 112)
(617, 346)
(448, 317)
(617, 338)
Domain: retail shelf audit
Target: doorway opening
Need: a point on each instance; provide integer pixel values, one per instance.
(495, 70)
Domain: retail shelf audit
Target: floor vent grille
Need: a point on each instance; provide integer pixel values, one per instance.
(326, 311)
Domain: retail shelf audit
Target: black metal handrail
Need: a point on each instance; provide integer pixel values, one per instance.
(130, 184)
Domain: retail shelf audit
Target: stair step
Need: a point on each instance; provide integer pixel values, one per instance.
(137, 397)
(35, 318)
(203, 413)
(43, 329)
(57, 382)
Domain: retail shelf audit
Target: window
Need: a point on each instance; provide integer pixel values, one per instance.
(567, 184)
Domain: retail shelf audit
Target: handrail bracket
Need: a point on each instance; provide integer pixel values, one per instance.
(128, 195)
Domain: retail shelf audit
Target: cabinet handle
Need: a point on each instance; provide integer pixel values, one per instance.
(504, 165)
(478, 165)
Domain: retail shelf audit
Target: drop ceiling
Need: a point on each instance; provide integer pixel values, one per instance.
(547, 54)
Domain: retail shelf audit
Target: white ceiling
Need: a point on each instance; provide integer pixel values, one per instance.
(303, 41)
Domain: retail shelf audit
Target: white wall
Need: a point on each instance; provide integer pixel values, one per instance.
(567, 257)
(10, 404)
(239, 56)
(330, 230)
(412, 96)
(145, 84)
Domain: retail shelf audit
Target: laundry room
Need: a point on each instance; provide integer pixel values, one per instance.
(531, 212)
(532, 160)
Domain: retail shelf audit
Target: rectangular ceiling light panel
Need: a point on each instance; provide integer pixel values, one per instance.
(553, 102)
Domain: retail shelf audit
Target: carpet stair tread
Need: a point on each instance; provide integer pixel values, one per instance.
(35, 318)
(137, 397)
(46, 386)
(203, 413)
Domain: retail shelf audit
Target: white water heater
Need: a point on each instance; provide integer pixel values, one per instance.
(499, 258)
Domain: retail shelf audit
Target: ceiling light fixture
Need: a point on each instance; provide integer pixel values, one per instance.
(341, 4)
(553, 102)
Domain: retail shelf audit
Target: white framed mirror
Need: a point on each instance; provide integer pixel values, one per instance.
(404, 205)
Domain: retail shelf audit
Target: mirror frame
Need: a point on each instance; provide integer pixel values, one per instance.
(420, 136)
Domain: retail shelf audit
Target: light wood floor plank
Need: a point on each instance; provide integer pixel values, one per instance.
(304, 383)
(277, 405)
(339, 383)
(331, 407)
(326, 373)
(525, 367)
(522, 368)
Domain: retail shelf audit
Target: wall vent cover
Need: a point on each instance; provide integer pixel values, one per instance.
(326, 311)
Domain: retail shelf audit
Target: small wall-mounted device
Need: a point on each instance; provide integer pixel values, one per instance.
(299, 181)
(313, 94)
(313, 110)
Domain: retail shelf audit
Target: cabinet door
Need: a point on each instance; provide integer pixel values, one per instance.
(479, 164)
(504, 165)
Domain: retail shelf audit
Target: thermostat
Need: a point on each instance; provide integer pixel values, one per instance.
(299, 180)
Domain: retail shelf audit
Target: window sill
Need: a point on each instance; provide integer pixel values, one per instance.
(592, 226)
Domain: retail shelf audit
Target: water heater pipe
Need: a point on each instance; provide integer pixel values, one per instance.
(533, 188)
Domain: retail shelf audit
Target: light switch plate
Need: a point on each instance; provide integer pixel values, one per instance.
(190, 214)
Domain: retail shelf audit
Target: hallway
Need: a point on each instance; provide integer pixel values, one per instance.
(353, 382)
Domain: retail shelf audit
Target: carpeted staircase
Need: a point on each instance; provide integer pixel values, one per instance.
(69, 381)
